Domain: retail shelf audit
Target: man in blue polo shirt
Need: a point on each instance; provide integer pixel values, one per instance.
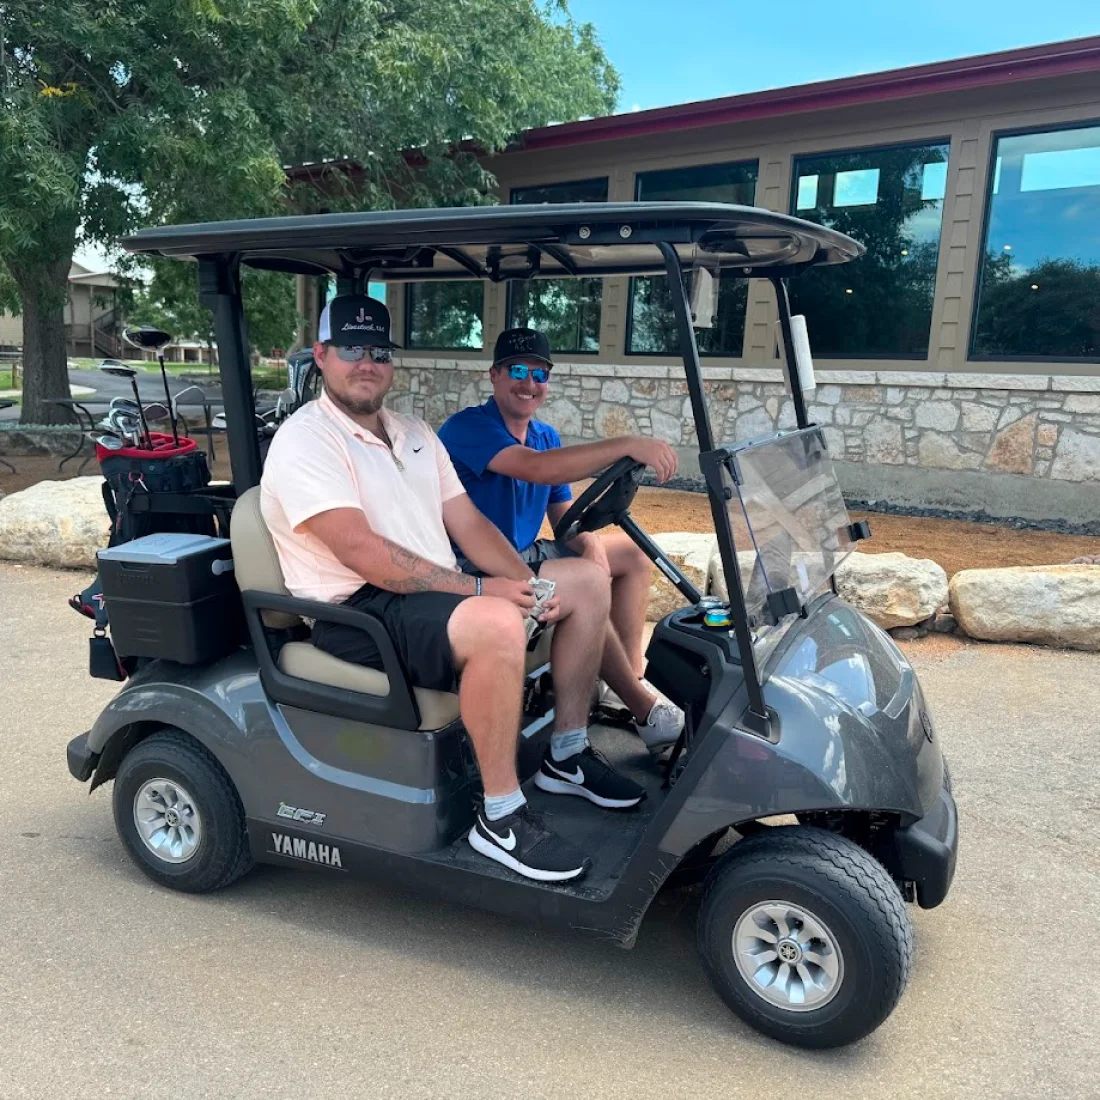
(517, 472)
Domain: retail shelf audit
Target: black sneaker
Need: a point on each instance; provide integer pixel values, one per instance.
(523, 843)
(589, 775)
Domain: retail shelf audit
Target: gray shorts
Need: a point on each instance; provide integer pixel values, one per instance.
(539, 551)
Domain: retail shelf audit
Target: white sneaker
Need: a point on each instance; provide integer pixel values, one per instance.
(662, 728)
(608, 700)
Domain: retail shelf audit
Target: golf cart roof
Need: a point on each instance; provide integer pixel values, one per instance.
(505, 242)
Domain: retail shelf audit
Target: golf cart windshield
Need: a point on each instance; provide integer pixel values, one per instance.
(790, 523)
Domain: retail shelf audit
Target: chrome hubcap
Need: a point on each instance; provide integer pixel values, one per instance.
(787, 956)
(167, 820)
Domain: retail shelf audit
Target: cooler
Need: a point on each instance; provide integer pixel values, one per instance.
(172, 596)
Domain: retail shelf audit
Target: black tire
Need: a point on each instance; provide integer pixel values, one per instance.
(835, 881)
(223, 853)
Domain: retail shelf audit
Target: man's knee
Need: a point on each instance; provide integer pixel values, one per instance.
(580, 583)
(487, 625)
(628, 559)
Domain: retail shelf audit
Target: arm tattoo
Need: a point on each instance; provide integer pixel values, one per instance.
(415, 574)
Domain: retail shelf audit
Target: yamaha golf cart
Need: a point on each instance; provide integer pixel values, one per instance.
(807, 792)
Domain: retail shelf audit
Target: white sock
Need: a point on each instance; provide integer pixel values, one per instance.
(568, 743)
(501, 805)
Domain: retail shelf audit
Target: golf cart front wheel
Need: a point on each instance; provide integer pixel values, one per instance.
(179, 815)
(805, 936)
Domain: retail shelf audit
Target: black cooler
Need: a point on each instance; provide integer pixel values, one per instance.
(172, 596)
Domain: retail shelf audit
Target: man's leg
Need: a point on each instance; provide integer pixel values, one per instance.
(572, 766)
(576, 650)
(488, 643)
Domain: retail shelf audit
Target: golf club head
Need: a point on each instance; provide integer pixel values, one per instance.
(105, 425)
(107, 442)
(124, 403)
(157, 411)
(147, 337)
(119, 370)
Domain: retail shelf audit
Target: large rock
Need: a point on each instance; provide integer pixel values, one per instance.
(892, 589)
(692, 553)
(1057, 605)
(716, 575)
(60, 523)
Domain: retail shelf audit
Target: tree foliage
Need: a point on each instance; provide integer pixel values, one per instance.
(117, 114)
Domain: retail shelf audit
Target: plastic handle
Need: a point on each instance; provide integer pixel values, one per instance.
(220, 567)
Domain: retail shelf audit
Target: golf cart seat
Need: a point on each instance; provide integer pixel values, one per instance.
(257, 569)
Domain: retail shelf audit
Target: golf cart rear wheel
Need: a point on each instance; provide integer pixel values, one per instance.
(805, 936)
(179, 815)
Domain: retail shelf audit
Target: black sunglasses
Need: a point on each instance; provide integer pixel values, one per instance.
(357, 352)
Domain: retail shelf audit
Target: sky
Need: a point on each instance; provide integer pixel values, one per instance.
(683, 50)
(676, 52)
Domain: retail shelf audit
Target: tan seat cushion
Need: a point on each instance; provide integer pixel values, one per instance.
(437, 708)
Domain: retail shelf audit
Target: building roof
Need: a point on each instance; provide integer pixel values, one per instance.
(1079, 55)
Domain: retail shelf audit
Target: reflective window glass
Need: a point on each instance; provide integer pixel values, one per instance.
(1039, 285)
(444, 316)
(891, 201)
(652, 326)
(567, 310)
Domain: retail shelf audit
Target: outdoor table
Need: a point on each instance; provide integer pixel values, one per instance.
(80, 408)
(4, 461)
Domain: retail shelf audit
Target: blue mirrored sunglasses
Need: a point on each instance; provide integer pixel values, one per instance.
(357, 352)
(520, 371)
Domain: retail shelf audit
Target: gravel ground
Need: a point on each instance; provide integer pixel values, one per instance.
(295, 985)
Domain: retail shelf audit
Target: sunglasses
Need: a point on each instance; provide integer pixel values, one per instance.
(356, 353)
(520, 371)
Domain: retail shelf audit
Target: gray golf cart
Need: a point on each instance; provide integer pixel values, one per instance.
(807, 792)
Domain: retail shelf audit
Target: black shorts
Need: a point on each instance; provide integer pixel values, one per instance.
(416, 623)
(539, 551)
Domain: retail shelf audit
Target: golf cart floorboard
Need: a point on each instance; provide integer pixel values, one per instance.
(607, 837)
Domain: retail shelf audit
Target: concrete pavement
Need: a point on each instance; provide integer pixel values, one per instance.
(295, 985)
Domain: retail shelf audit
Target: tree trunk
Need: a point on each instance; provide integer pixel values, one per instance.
(44, 289)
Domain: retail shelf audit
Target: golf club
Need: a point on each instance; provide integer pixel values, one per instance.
(119, 370)
(156, 411)
(155, 339)
(107, 442)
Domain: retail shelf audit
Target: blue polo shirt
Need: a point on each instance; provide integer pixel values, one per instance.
(473, 437)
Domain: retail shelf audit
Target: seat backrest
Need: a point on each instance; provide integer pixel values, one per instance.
(255, 559)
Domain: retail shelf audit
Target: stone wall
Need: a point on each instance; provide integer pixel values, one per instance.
(1042, 429)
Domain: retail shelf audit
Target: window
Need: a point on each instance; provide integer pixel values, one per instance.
(1039, 285)
(652, 324)
(443, 315)
(567, 310)
(891, 201)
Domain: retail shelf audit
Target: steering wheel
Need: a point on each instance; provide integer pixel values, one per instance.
(604, 502)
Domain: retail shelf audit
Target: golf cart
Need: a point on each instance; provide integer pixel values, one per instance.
(807, 791)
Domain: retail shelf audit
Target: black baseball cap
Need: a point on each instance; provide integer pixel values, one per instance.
(354, 320)
(520, 343)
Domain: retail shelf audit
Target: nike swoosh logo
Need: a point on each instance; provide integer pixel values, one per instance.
(417, 450)
(506, 842)
(576, 777)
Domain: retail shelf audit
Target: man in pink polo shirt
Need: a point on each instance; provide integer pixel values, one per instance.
(363, 504)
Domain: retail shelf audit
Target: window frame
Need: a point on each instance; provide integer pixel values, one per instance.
(979, 266)
(407, 318)
(510, 292)
(792, 198)
(628, 327)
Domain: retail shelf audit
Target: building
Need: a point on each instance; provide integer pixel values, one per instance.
(958, 362)
(91, 322)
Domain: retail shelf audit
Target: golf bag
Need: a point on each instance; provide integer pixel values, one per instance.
(128, 472)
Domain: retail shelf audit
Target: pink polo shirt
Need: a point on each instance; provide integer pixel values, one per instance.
(321, 459)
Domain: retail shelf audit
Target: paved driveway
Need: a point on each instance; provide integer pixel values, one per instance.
(292, 985)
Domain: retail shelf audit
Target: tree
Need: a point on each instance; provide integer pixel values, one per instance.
(117, 114)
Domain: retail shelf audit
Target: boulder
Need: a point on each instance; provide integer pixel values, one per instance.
(892, 589)
(1057, 605)
(59, 523)
(716, 577)
(692, 553)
